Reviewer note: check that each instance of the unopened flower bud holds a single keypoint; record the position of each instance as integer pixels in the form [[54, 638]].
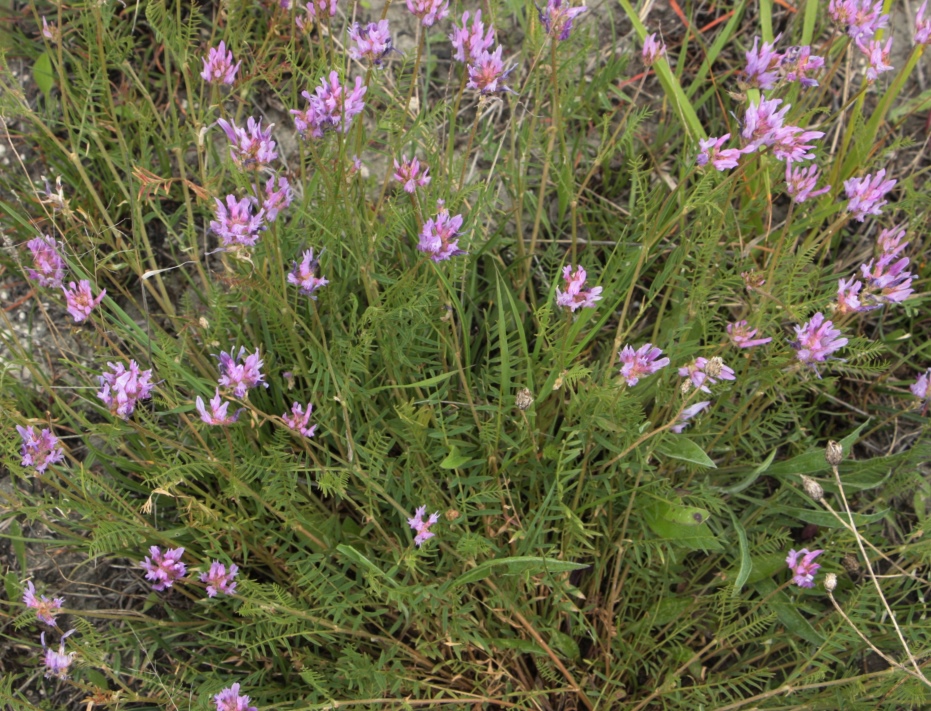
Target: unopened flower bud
[[812, 488], [834, 453], [714, 366], [830, 582], [524, 399]]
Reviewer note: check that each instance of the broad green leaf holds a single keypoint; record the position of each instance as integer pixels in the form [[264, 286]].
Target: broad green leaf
[[746, 563], [454, 459], [686, 515], [814, 461], [359, 559], [512, 566], [788, 615], [42, 73], [681, 447], [826, 519], [694, 537], [752, 477]]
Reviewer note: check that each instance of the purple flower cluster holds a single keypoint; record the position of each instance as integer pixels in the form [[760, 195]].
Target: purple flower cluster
[[273, 198], [304, 275], [332, 107], [299, 419], [49, 267], [557, 18], [164, 569], [409, 174], [816, 340], [124, 387], [801, 183], [470, 43], [866, 194], [766, 67], [742, 335], [703, 372], [652, 50], [45, 608], [439, 238], [39, 450], [641, 362], [371, 42], [80, 299], [885, 279], [920, 388], [239, 377], [687, 414], [235, 224], [422, 526], [218, 65], [218, 413], [252, 145], [230, 700], [803, 566], [429, 11], [576, 296], [219, 580], [861, 18], [922, 25], [57, 662]]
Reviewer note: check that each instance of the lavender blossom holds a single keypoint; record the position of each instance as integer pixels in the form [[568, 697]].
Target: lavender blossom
[[80, 300], [273, 201], [762, 65], [761, 121], [816, 340], [921, 387], [39, 451], [576, 297], [250, 146], [557, 18], [408, 173], [219, 580], [51, 32], [801, 182], [848, 299], [299, 419], [877, 54], [866, 193], [429, 11], [58, 662], [803, 566], [471, 42], [487, 73], [45, 608], [687, 414], [439, 238], [218, 410], [321, 8], [742, 335], [922, 25], [652, 50], [218, 65], [164, 569], [710, 150], [703, 372], [240, 377], [235, 224], [304, 275], [123, 388], [371, 42], [422, 527], [641, 362], [49, 266], [230, 700], [866, 20], [797, 63], [890, 241], [888, 278], [791, 144], [332, 107]]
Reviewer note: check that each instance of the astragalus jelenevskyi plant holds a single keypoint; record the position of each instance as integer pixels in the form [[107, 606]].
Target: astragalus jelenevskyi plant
[[335, 364]]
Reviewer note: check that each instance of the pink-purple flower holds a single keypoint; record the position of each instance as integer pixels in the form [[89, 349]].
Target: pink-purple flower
[[45, 609], [922, 385], [922, 25], [299, 419], [122, 389], [761, 121], [422, 526], [218, 413], [163, 569], [304, 275], [576, 296], [877, 55], [80, 299], [890, 241], [49, 267], [332, 107], [888, 279], [252, 145], [797, 63], [429, 11], [803, 566], [220, 580], [275, 199], [230, 700], [641, 362], [557, 17], [487, 73], [471, 42], [57, 662], [370, 42], [866, 194], [801, 182], [762, 67], [816, 340], [235, 224], [703, 372], [652, 50], [218, 65], [742, 335], [687, 414], [791, 143], [39, 450], [50, 32], [848, 296], [238, 376], [409, 173], [710, 151], [439, 238]]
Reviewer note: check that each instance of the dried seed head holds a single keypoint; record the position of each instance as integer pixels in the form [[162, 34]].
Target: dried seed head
[[714, 366], [830, 582], [451, 514], [812, 488], [524, 399], [850, 563], [686, 386], [834, 453]]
